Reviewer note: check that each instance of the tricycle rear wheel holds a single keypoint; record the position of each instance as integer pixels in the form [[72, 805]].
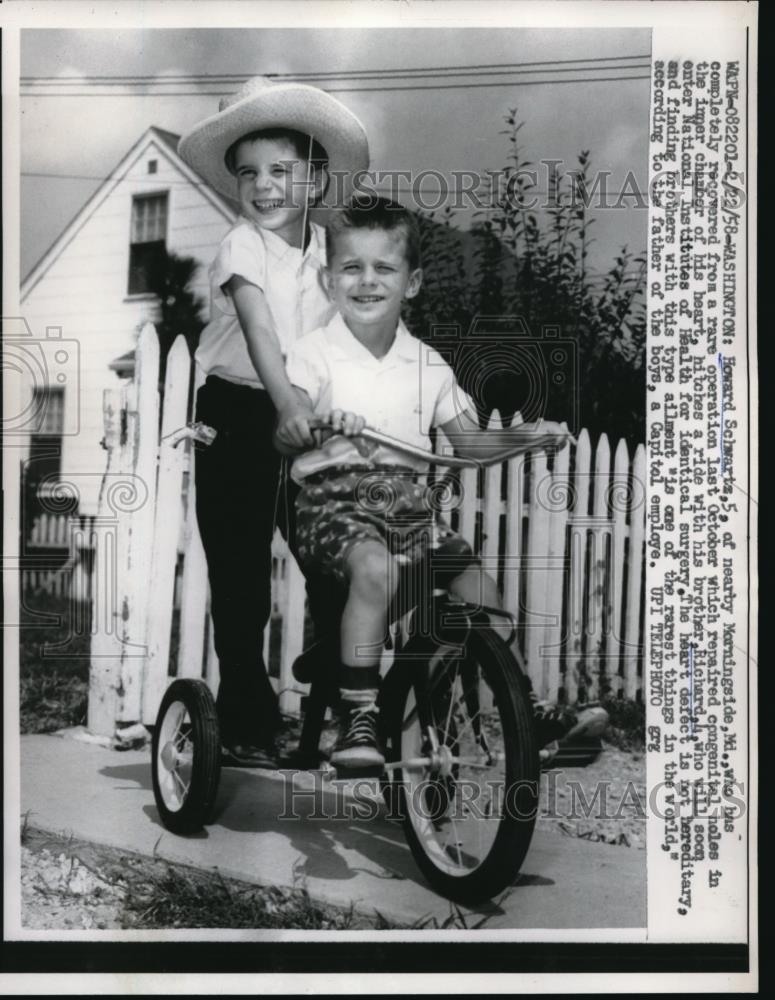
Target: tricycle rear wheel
[[186, 756]]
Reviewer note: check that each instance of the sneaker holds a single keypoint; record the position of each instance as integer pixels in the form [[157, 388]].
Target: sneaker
[[558, 723], [357, 744]]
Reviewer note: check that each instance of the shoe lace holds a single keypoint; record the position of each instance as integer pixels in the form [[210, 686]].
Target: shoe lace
[[362, 722]]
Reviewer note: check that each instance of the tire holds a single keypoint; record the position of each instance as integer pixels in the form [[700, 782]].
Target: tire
[[468, 822], [186, 756]]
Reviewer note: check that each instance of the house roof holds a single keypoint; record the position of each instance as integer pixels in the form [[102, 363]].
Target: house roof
[[169, 140], [123, 365]]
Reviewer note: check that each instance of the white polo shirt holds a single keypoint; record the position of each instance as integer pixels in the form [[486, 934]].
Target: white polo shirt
[[404, 394], [292, 285]]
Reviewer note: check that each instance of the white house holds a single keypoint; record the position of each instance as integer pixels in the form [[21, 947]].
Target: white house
[[86, 299]]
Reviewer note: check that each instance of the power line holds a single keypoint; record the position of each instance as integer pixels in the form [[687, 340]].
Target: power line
[[479, 68], [141, 81], [363, 90]]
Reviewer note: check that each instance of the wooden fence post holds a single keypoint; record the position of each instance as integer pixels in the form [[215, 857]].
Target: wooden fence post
[[143, 442], [168, 515], [105, 642]]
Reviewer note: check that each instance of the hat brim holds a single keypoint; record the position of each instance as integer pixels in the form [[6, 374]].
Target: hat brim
[[293, 105]]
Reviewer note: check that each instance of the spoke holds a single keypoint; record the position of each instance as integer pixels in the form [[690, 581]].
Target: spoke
[[449, 713], [183, 785], [178, 732], [440, 675], [458, 847]]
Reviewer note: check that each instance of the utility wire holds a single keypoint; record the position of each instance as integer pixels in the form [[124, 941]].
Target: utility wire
[[376, 76], [359, 90], [479, 68]]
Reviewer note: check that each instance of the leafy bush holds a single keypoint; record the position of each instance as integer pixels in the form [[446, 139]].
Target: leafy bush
[[529, 277]]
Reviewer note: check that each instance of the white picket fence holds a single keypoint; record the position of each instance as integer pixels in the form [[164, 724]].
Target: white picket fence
[[63, 539], [565, 539]]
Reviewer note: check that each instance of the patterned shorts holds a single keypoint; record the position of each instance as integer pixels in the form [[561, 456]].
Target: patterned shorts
[[342, 507]]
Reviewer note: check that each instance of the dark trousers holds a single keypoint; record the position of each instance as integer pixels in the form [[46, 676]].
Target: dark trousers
[[239, 499], [237, 480]]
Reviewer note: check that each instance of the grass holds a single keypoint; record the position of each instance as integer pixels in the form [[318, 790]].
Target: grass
[[156, 894], [173, 896], [54, 682]]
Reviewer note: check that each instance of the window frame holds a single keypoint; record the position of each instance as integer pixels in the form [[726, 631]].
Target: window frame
[[140, 260]]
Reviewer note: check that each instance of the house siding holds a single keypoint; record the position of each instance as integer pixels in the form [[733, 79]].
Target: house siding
[[83, 292]]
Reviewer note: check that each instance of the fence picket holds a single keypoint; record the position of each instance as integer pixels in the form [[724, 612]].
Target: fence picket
[[168, 515], [536, 559], [632, 645], [515, 510], [597, 617], [193, 590], [556, 500], [491, 509], [579, 522], [468, 504], [618, 501]]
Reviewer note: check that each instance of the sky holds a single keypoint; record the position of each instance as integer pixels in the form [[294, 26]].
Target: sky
[[77, 141]]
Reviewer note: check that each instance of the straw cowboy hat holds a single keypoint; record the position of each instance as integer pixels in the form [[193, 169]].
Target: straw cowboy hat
[[262, 103]]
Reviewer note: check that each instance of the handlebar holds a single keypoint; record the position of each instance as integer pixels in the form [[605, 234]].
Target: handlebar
[[205, 435], [450, 461]]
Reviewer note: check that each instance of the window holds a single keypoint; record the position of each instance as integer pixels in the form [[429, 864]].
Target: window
[[147, 241], [153, 166], [45, 457]]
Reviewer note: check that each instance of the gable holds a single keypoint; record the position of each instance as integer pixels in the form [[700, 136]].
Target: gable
[[202, 211]]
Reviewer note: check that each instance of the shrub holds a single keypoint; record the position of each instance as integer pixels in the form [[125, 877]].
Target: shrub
[[529, 276]]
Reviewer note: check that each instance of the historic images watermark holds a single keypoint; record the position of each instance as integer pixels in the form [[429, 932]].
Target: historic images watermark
[[546, 186], [311, 795]]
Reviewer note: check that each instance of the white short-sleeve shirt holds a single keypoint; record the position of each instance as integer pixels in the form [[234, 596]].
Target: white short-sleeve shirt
[[292, 285], [404, 394]]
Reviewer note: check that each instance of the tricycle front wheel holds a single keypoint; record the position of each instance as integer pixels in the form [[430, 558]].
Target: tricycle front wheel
[[466, 787]]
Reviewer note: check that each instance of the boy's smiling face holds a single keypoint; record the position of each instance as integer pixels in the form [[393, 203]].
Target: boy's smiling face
[[272, 186], [369, 277]]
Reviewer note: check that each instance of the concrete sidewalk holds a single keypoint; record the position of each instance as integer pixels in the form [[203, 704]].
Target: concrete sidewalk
[[103, 796]]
